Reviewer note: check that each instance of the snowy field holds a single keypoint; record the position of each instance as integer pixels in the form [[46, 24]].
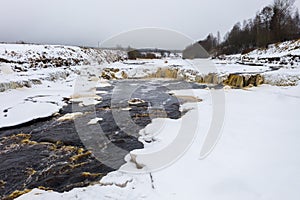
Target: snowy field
[[256, 157]]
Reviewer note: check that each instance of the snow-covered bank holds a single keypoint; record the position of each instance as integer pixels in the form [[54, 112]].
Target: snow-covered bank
[[256, 158], [36, 78], [279, 50], [28, 64], [285, 54], [37, 93], [25, 56], [26, 104]]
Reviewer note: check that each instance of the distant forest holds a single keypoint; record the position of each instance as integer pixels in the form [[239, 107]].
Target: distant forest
[[277, 22]]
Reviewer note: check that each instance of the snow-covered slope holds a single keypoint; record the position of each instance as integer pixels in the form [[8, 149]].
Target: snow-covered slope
[[278, 55], [29, 64], [284, 49], [25, 56]]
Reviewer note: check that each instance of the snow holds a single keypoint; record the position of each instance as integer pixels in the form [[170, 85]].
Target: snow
[[22, 52], [284, 54], [70, 116], [5, 69], [283, 77], [252, 157], [39, 92], [26, 53], [25, 104], [95, 120], [289, 48], [256, 157]]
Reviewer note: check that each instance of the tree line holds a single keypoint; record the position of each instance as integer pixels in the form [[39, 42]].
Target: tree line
[[277, 22]]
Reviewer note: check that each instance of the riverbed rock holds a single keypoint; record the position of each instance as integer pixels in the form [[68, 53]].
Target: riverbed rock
[[244, 80], [165, 73]]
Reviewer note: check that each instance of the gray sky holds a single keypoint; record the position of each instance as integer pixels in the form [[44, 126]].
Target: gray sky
[[85, 22]]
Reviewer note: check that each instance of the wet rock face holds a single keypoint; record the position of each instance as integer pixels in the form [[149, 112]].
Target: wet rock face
[[109, 73], [255, 80], [233, 80], [113, 74], [211, 78], [165, 73], [50, 154], [241, 81]]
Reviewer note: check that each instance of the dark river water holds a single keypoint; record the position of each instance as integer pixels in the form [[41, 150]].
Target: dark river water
[[50, 154]]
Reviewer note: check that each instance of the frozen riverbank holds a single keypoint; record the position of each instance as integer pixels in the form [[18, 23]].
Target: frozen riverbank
[[250, 161]]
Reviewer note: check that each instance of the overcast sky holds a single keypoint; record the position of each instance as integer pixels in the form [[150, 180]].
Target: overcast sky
[[85, 22]]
